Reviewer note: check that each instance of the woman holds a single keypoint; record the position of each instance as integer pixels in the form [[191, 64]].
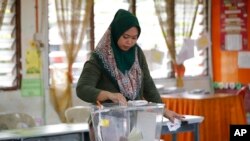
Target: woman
[[117, 70]]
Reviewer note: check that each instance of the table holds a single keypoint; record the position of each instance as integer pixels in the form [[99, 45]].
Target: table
[[191, 124], [234, 91], [79, 132], [57, 132], [219, 111]]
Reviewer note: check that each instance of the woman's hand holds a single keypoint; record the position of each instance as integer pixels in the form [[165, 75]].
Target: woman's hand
[[114, 97], [171, 115], [118, 98]]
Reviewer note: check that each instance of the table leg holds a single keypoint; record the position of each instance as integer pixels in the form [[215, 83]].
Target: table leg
[[174, 137], [196, 132], [86, 136]]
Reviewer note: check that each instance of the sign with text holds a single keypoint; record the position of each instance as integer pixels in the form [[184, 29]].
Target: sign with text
[[234, 25], [32, 87]]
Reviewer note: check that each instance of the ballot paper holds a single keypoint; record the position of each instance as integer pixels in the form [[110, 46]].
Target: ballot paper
[[135, 135], [137, 102], [146, 122], [173, 126]]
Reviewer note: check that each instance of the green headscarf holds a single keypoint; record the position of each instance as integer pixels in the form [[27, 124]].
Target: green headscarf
[[123, 21]]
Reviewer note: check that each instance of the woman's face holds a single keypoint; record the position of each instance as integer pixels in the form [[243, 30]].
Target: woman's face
[[128, 39]]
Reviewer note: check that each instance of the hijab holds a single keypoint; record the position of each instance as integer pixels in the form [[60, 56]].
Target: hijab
[[121, 66], [122, 21]]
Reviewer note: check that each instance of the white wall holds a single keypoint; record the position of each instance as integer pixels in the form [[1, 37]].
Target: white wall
[[39, 106], [13, 101]]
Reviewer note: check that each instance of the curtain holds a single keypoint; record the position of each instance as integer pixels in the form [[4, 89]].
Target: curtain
[[176, 25], [3, 4], [165, 10], [73, 17]]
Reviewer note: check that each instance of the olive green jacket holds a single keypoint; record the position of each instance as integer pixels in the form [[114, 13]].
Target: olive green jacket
[[93, 79]]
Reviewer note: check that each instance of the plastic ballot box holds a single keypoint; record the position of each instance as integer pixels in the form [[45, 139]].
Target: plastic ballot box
[[136, 122]]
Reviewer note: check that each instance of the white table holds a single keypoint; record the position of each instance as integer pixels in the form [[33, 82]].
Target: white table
[[60, 132], [76, 132]]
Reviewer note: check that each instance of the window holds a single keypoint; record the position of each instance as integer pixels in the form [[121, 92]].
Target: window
[[57, 55], [196, 66], [151, 39], [103, 15], [10, 45]]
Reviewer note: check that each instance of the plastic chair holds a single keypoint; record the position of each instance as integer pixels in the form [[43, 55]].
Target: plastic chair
[[16, 121], [77, 114], [242, 91]]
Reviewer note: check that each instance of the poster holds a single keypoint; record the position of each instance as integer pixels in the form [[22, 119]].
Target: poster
[[31, 87], [233, 20], [32, 60], [243, 60], [32, 84]]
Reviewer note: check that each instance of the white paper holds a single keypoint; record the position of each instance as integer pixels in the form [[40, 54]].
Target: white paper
[[243, 59], [233, 42], [187, 51], [203, 41], [146, 122], [157, 56], [137, 102], [174, 126]]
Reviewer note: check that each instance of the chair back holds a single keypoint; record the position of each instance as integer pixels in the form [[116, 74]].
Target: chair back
[[16, 121], [77, 114], [242, 91]]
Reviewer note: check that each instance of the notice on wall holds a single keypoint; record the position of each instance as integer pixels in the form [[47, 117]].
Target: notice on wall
[[234, 25], [157, 56], [32, 60], [203, 41], [31, 87], [32, 84], [243, 60]]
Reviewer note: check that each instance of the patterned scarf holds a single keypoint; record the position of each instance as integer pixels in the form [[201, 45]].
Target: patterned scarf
[[129, 82]]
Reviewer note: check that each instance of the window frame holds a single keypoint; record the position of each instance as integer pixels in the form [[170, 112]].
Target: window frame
[[17, 35]]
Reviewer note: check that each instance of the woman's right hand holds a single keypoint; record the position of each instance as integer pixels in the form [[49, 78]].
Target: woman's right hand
[[118, 98], [114, 97]]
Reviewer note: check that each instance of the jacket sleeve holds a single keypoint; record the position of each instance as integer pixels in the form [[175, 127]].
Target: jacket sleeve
[[86, 86], [150, 92]]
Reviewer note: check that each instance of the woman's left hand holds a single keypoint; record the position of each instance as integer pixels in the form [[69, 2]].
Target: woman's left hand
[[171, 115]]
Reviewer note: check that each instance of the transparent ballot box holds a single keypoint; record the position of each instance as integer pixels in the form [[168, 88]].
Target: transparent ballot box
[[128, 123]]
